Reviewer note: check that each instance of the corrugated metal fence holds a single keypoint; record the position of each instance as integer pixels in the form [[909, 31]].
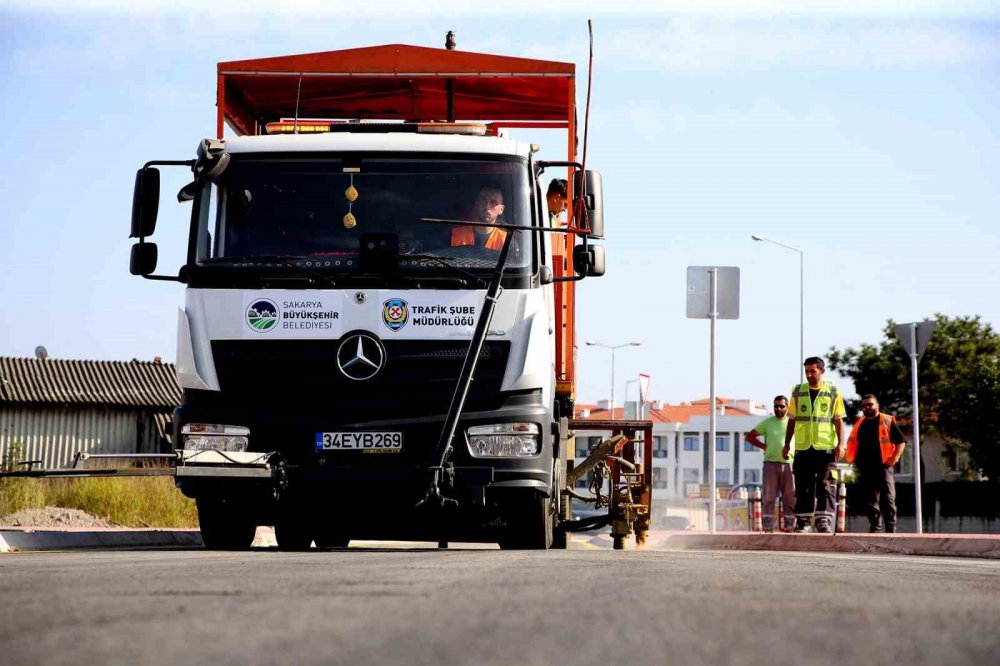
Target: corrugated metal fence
[[55, 433]]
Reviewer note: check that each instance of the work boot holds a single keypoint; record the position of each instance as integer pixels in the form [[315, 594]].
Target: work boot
[[801, 526], [823, 526]]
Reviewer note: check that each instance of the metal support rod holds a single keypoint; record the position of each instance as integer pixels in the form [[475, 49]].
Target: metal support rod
[[916, 429], [444, 448], [713, 313]]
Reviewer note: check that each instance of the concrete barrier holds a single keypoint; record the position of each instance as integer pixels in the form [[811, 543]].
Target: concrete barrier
[[14, 539]]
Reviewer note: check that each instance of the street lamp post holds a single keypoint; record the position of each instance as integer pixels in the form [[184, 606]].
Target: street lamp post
[[638, 411], [802, 298], [612, 348]]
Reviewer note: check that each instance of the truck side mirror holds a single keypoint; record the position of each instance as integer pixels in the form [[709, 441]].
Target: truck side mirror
[[590, 185], [143, 260], [588, 260], [145, 202]]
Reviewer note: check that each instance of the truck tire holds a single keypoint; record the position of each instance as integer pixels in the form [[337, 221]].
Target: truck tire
[[327, 539], [529, 525], [292, 532], [560, 538], [223, 525]]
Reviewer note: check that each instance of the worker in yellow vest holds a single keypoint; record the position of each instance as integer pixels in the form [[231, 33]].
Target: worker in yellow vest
[[875, 445], [816, 422]]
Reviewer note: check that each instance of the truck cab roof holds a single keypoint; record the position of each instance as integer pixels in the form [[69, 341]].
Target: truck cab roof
[[377, 142]]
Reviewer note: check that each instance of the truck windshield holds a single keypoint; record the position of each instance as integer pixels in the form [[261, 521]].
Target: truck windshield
[[321, 209]]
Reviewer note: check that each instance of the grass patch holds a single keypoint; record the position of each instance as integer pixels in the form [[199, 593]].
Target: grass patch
[[127, 501]]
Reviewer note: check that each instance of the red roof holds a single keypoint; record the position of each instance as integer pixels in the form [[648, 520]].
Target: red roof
[[394, 81], [667, 414]]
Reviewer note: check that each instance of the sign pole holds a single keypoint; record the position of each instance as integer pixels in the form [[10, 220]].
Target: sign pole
[[713, 314], [916, 429], [914, 338], [713, 292]]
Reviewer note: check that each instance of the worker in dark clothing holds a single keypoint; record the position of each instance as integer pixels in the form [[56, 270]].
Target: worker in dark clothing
[[875, 445]]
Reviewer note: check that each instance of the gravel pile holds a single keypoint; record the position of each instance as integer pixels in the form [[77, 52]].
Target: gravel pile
[[52, 516]]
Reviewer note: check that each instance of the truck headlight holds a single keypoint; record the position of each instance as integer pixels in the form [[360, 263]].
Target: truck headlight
[[214, 437], [503, 440]]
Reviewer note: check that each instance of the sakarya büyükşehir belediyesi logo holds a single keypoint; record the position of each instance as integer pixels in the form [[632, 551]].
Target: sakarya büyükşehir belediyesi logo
[[262, 315]]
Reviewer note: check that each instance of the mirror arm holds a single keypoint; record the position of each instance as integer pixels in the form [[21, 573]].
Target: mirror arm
[[575, 278]]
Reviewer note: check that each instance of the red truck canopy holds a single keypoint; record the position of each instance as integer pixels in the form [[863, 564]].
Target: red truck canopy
[[414, 83], [395, 82]]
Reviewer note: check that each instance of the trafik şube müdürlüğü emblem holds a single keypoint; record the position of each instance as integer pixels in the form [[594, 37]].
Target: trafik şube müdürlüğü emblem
[[262, 315], [395, 313]]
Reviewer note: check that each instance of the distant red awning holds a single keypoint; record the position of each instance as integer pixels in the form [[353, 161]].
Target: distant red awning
[[394, 82]]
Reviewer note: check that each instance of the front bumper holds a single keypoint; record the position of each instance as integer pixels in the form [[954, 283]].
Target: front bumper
[[287, 431]]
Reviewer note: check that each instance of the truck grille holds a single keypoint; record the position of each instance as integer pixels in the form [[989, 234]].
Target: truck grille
[[418, 379]]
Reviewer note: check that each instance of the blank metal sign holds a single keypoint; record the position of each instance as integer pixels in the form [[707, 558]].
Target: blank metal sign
[[699, 292]]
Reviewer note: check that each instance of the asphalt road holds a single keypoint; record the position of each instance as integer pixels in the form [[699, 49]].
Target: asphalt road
[[394, 606]]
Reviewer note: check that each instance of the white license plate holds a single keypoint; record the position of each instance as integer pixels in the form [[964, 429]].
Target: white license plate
[[368, 442]]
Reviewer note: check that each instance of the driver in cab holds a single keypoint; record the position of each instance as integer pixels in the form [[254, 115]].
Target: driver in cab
[[488, 208]]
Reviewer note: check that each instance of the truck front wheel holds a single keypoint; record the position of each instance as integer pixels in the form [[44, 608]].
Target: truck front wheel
[[529, 524], [293, 533], [223, 525]]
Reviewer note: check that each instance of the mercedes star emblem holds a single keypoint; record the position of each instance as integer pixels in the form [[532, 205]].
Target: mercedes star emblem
[[360, 356], [359, 297]]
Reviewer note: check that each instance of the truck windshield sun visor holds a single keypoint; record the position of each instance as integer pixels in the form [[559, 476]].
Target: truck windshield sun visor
[[316, 214]]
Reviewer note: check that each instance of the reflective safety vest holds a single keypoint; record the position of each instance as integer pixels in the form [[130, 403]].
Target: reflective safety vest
[[885, 422], [467, 236], [814, 420]]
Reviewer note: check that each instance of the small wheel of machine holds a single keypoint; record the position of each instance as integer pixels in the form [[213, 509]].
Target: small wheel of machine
[[223, 525]]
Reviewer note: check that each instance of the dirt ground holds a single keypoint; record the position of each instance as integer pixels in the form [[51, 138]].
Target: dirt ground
[[52, 516]]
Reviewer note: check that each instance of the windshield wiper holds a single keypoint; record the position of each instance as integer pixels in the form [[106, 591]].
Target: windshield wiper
[[447, 264], [285, 260]]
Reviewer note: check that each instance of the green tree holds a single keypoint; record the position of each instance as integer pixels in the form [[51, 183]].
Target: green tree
[[970, 412], [959, 390]]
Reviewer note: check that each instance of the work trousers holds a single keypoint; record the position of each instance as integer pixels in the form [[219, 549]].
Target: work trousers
[[778, 480], [815, 486], [879, 491]]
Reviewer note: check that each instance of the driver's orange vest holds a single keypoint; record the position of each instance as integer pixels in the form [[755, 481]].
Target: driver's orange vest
[[885, 422], [467, 236]]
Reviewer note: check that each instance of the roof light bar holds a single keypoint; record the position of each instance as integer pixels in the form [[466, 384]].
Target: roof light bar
[[286, 126]]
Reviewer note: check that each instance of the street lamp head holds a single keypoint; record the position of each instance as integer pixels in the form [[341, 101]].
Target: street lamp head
[[635, 344], [757, 238]]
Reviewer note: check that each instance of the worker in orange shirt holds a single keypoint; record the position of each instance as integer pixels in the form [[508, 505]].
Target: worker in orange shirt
[[875, 445], [488, 209]]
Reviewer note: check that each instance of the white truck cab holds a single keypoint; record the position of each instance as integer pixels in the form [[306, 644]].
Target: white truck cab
[[373, 339]]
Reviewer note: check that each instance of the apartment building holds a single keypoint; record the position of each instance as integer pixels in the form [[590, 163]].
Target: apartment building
[[681, 443]]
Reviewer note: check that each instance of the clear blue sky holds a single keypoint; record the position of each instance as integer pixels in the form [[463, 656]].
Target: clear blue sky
[[865, 134]]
